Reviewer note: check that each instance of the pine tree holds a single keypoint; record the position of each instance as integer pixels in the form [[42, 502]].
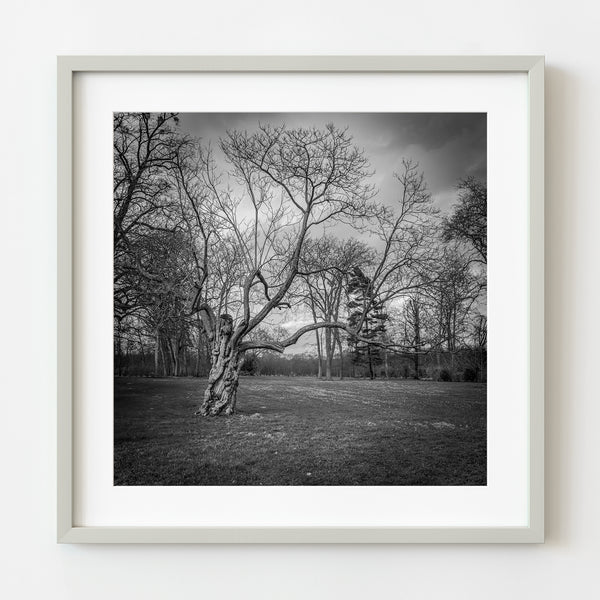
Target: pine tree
[[362, 301]]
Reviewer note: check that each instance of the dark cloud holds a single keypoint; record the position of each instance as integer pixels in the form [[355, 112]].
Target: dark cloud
[[448, 146], [433, 131]]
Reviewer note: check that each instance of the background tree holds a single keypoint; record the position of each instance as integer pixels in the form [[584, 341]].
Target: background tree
[[404, 234], [326, 267], [415, 328], [146, 147], [367, 316], [454, 295], [477, 357], [468, 221], [147, 280]]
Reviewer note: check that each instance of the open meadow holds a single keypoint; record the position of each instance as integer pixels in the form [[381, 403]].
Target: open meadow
[[301, 431]]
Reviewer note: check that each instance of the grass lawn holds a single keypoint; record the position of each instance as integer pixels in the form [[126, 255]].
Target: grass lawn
[[301, 431]]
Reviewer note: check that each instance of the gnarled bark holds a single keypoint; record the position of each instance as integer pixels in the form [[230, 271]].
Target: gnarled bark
[[223, 379]]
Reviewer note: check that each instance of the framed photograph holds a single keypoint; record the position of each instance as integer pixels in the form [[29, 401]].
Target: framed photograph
[[301, 299]]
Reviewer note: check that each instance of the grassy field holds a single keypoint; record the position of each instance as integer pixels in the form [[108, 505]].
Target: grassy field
[[301, 431]]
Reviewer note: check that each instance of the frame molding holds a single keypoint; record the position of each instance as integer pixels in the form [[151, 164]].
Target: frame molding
[[68, 66]]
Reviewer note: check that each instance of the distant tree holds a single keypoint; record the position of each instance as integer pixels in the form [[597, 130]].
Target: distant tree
[[478, 343], [454, 297], [468, 221], [150, 254], [147, 147], [326, 266], [368, 311], [406, 237], [414, 328], [160, 300]]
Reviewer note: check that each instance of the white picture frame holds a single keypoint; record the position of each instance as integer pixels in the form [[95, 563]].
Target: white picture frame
[[532, 67]]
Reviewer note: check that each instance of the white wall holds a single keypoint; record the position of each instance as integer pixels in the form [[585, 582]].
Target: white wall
[[33, 32]]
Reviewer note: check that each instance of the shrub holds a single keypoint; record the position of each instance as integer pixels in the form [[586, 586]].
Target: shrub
[[445, 375], [470, 374]]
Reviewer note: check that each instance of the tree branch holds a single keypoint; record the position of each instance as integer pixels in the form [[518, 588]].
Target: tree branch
[[207, 315], [290, 341]]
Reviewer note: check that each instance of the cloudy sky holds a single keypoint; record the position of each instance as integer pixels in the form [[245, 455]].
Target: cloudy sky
[[447, 146]]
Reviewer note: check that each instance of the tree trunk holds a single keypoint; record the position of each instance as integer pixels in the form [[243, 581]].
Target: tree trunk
[[318, 339], [119, 350], [339, 343], [224, 376], [417, 341], [371, 372], [319, 355], [197, 368], [156, 353], [163, 356], [417, 366], [173, 357], [481, 367], [141, 342], [370, 361], [328, 354], [198, 354], [127, 356]]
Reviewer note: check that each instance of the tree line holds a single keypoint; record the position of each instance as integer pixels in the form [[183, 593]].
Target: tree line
[[214, 255]]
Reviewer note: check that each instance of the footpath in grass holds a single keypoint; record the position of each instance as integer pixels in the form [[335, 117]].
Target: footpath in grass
[[301, 431]]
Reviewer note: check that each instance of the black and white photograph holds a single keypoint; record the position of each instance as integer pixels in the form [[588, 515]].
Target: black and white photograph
[[300, 299]]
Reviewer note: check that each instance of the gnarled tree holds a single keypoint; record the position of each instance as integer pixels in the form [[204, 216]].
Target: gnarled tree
[[283, 186]]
